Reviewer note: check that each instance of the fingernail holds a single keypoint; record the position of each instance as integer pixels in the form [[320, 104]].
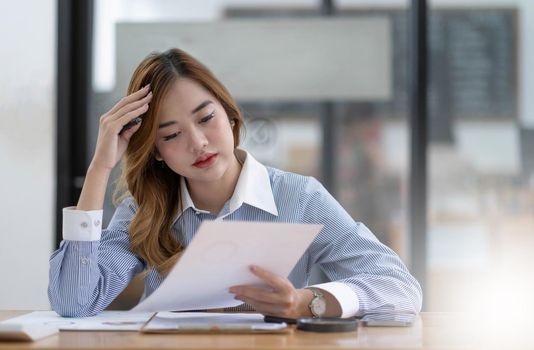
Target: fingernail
[[253, 268]]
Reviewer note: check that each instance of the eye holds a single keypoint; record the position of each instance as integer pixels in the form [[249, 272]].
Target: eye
[[171, 136], [208, 117]]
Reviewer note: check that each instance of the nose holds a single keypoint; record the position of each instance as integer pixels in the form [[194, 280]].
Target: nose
[[197, 140]]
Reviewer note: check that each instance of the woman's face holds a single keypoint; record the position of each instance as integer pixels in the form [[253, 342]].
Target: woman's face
[[195, 136]]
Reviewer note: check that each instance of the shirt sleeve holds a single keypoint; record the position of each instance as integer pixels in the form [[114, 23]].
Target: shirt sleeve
[[80, 225], [345, 296], [91, 266], [349, 254]]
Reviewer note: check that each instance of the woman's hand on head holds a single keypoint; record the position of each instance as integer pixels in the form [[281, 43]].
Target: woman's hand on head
[[283, 300], [112, 143]]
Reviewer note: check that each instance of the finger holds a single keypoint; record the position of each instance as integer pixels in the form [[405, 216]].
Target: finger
[[249, 298], [286, 301], [264, 308], [127, 131], [130, 124], [132, 97], [273, 280], [122, 123], [257, 294], [131, 106]]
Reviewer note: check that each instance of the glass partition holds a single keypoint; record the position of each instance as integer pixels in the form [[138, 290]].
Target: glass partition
[[481, 196]]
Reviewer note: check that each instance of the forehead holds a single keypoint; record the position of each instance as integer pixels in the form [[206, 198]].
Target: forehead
[[183, 96]]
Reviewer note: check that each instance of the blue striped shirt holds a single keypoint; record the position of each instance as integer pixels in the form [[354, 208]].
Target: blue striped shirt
[[87, 275]]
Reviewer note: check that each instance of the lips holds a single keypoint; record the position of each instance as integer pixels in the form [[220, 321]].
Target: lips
[[205, 161]]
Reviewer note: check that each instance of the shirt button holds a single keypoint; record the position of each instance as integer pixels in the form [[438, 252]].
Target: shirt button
[[97, 222], [84, 224], [84, 261]]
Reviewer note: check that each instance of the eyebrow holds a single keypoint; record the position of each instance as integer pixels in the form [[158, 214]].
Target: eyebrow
[[163, 125], [200, 106], [196, 109]]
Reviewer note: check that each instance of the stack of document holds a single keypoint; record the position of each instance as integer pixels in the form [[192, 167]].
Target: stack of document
[[201, 322], [147, 322], [105, 321]]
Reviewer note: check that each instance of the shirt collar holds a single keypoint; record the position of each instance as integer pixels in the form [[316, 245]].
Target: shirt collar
[[253, 187]]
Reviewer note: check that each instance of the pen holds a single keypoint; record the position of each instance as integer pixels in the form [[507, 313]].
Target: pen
[[274, 319], [130, 124]]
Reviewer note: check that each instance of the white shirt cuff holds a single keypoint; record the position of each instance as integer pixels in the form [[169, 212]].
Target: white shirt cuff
[[345, 296], [81, 225]]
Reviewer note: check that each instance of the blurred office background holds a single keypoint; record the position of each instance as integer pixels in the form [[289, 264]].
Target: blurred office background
[[324, 86]]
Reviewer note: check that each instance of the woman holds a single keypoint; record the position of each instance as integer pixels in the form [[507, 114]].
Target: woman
[[177, 132]]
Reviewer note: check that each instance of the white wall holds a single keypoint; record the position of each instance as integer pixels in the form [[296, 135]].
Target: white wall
[[27, 144], [107, 13]]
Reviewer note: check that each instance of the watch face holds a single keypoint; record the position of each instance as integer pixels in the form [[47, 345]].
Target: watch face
[[318, 306]]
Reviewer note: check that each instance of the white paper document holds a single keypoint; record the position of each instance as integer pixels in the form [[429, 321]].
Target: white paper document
[[219, 257], [168, 322], [105, 321]]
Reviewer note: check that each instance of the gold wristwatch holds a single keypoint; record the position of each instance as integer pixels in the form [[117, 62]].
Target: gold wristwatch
[[317, 304]]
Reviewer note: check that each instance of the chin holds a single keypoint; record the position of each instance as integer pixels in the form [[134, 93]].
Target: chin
[[214, 173]]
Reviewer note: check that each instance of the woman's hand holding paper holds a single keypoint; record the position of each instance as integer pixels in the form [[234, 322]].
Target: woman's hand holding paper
[[282, 300]]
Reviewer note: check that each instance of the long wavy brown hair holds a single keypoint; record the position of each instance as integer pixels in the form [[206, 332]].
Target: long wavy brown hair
[[156, 189]]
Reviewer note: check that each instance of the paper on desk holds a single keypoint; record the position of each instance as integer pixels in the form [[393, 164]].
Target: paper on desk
[[105, 321], [206, 321], [219, 257]]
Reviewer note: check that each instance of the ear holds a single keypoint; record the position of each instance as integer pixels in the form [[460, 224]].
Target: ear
[[157, 155], [232, 123]]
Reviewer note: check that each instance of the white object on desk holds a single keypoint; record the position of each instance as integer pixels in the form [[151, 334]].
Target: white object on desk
[[25, 332], [219, 257], [170, 322], [105, 321]]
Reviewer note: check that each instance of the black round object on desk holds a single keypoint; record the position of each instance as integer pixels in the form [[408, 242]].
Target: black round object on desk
[[327, 324]]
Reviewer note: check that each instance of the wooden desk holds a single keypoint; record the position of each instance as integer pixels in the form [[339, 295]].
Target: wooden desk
[[431, 331]]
